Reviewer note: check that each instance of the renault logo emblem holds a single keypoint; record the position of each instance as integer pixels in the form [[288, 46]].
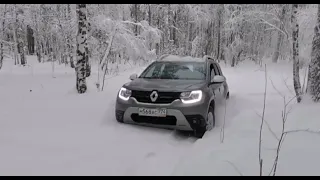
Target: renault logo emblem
[[154, 96]]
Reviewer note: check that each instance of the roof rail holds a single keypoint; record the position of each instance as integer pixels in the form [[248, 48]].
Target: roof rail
[[205, 57], [163, 56]]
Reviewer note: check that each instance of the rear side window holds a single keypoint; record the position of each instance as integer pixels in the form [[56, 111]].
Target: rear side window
[[212, 73], [216, 69], [219, 69]]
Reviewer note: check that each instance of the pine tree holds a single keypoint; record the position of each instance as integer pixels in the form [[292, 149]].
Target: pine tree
[[314, 68], [82, 49]]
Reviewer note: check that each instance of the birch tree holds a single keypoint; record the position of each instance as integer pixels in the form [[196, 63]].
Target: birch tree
[[82, 46], [280, 34], [2, 36], [234, 31], [14, 29], [314, 68], [295, 51], [69, 37], [37, 41]]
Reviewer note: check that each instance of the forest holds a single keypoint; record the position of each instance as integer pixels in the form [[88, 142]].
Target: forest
[[80, 35]]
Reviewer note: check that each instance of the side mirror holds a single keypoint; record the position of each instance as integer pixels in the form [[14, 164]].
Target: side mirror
[[218, 79], [133, 76]]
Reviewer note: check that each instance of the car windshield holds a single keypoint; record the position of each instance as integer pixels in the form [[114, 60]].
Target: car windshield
[[175, 70]]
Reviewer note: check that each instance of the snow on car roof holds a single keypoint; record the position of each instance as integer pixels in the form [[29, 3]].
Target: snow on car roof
[[175, 58]]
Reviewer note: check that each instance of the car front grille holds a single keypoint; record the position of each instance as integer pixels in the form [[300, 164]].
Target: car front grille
[[168, 120], [163, 97]]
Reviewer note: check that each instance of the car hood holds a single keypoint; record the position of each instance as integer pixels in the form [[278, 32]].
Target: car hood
[[165, 85]]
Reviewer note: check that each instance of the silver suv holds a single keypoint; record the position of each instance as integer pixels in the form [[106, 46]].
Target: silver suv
[[174, 92]]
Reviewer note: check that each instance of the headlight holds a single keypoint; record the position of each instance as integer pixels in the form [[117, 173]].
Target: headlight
[[191, 97], [124, 94]]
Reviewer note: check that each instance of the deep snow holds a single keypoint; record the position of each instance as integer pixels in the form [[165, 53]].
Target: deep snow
[[46, 128]]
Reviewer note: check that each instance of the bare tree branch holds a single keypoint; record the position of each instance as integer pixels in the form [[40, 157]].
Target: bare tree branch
[[275, 88], [10, 43], [269, 127], [268, 23], [303, 130], [286, 84], [235, 167], [224, 122], [262, 120]]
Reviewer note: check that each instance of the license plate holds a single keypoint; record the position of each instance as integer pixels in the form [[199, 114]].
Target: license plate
[[152, 112]]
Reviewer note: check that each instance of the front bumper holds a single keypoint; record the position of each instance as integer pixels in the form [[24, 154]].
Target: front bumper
[[180, 116]]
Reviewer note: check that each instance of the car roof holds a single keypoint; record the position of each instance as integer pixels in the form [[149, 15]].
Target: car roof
[[176, 58]]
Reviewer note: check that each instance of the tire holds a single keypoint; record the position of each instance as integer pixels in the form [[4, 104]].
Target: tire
[[119, 116], [211, 111], [200, 132], [119, 120], [227, 97]]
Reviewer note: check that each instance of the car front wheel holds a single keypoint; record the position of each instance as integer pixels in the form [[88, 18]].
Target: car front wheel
[[210, 119], [228, 95], [210, 124]]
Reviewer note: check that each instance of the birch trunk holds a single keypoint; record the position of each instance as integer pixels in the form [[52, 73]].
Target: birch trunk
[[81, 71], [187, 52], [69, 40], [88, 65], [149, 15], [219, 38], [2, 36], [103, 65], [136, 19], [295, 52], [51, 55], [276, 53], [103, 61], [64, 48], [37, 39], [222, 34], [169, 23], [314, 68], [16, 60]]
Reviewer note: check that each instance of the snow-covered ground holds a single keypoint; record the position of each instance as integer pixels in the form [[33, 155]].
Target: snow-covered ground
[[46, 128]]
